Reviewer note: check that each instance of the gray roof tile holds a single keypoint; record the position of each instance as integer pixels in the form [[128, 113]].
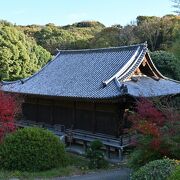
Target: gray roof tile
[[80, 73]]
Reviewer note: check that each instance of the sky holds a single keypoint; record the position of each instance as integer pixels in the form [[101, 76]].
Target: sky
[[63, 12]]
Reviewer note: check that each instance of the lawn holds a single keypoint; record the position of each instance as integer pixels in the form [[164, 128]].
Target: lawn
[[78, 165]]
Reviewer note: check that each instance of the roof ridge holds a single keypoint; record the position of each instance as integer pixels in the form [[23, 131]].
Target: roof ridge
[[102, 49], [139, 57], [138, 52]]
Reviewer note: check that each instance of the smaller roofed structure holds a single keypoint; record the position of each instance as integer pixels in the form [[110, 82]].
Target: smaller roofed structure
[[96, 74]]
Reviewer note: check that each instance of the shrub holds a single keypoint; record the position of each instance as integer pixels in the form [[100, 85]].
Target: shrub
[[175, 174], [141, 156], [158, 133], [167, 63], [96, 156], [158, 169], [31, 149]]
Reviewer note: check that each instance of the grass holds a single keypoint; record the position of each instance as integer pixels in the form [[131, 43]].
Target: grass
[[78, 165]]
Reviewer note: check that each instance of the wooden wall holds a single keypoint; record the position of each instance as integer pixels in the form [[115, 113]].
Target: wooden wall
[[94, 117]]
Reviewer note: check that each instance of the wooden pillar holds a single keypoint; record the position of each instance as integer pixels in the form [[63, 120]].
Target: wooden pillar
[[85, 145], [37, 110], [74, 115], [94, 118], [108, 151], [120, 156], [120, 118], [52, 113]]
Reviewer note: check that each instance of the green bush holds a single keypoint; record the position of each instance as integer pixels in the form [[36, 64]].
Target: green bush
[[175, 174], [167, 63], [96, 156], [141, 156], [32, 149], [158, 169]]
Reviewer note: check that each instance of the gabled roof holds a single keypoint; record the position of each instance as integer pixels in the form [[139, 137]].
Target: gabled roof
[[96, 74]]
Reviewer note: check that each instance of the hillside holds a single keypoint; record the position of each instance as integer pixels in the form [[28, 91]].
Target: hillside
[[24, 49]]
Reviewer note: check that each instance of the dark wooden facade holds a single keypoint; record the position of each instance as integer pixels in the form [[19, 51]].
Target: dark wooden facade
[[96, 117]]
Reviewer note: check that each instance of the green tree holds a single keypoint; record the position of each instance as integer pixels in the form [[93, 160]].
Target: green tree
[[19, 56], [176, 51], [142, 19], [158, 32], [71, 37], [149, 30], [127, 36], [108, 37], [167, 64], [95, 24]]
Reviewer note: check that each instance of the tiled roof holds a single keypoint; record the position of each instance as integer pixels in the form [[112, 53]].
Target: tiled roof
[[93, 74], [148, 87]]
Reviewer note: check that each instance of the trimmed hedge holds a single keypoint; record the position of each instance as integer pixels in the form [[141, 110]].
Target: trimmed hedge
[[158, 169], [32, 149]]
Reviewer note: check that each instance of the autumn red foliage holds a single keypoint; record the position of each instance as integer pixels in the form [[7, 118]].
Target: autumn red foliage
[[9, 108], [159, 128]]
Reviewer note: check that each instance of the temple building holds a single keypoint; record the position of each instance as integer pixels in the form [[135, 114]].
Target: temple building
[[90, 89]]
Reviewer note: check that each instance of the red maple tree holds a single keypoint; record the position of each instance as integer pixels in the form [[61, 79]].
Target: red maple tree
[[9, 108], [159, 126]]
